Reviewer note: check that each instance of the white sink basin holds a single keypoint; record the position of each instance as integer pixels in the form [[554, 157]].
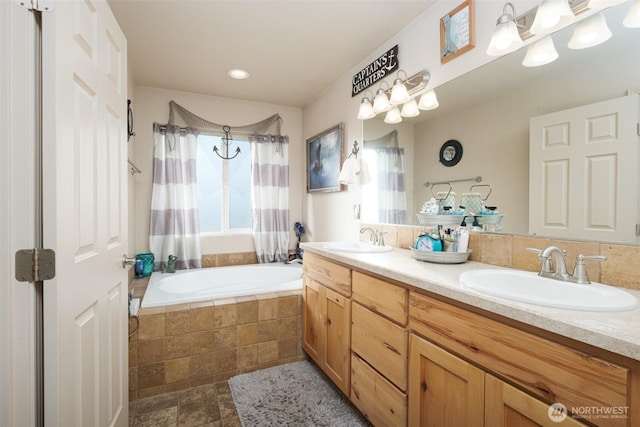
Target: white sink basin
[[362, 247], [530, 288]]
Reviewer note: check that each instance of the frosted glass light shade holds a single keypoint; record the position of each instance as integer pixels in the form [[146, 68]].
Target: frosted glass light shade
[[381, 102], [632, 20], [393, 116], [540, 53], [428, 101], [552, 15], [601, 4], [590, 32], [505, 39], [410, 109], [366, 110], [399, 93]]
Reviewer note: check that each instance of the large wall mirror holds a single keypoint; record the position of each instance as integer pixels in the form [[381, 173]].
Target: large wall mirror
[[488, 111]]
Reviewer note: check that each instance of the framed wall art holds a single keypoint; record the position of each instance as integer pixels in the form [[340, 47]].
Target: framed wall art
[[324, 159], [457, 31]]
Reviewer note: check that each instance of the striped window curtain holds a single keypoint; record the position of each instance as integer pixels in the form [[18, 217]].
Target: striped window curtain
[[270, 197], [174, 226], [392, 194]]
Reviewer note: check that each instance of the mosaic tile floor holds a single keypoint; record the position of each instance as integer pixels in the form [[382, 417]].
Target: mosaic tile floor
[[209, 405]]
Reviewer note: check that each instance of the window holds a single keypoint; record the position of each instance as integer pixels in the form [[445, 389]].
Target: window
[[224, 186]]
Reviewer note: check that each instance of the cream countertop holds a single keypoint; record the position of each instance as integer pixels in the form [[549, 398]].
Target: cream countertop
[[617, 332]]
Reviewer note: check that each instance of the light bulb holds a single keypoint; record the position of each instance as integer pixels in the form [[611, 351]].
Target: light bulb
[[589, 32], [505, 39], [399, 93], [540, 53], [366, 110], [410, 109], [428, 101], [552, 15], [381, 102], [393, 116], [632, 20]]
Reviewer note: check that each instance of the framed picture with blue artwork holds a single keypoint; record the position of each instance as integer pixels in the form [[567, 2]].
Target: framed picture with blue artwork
[[324, 159], [457, 31]]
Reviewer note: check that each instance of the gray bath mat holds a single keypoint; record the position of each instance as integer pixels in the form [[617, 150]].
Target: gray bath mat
[[295, 394]]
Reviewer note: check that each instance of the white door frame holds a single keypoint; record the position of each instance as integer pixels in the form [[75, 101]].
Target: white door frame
[[20, 401]]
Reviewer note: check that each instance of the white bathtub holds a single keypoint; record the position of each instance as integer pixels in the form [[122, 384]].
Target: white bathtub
[[205, 284]]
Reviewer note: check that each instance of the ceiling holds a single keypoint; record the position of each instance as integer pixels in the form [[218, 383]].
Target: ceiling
[[294, 49]]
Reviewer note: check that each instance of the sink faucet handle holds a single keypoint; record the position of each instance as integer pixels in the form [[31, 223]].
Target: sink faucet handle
[[381, 238], [580, 270], [581, 257], [534, 251]]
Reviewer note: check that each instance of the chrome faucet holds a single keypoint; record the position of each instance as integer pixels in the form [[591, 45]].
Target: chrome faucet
[[375, 237], [558, 270], [559, 263]]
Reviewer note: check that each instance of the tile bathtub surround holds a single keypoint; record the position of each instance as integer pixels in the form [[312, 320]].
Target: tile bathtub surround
[[620, 269], [184, 346], [222, 260]]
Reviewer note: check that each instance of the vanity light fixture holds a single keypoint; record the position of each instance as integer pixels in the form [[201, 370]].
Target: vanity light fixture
[[506, 37], [540, 53], [366, 109], [396, 110], [632, 20], [552, 15], [590, 32], [399, 93], [381, 101]]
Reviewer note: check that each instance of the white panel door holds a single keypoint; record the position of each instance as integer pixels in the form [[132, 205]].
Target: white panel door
[[85, 220], [583, 172]]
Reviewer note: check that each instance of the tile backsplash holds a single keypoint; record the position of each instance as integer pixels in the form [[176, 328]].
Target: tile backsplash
[[622, 267]]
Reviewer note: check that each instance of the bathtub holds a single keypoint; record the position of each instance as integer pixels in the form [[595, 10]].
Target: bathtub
[[186, 286]]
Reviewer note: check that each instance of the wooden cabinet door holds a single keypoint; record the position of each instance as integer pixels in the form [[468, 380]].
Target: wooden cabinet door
[[337, 339], [313, 319], [444, 390], [506, 406], [378, 399]]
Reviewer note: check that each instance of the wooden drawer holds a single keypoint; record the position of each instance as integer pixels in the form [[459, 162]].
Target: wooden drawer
[[380, 342], [380, 297], [331, 275], [552, 371], [379, 401]]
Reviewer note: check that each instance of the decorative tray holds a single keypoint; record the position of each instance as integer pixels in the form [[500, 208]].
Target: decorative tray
[[428, 219], [441, 257]]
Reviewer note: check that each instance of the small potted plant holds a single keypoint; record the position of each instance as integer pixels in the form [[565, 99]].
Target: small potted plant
[[299, 229]]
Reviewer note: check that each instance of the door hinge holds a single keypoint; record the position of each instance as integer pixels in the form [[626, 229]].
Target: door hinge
[[41, 5], [35, 265]]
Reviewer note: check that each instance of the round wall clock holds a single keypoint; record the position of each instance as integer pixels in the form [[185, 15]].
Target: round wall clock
[[450, 152]]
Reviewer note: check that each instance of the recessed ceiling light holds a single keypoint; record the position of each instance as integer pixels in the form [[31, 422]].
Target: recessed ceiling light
[[238, 74]]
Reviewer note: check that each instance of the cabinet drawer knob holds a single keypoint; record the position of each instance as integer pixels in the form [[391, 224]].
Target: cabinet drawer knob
[[423, 385]]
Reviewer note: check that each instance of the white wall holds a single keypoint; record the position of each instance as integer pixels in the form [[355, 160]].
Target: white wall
[[329, 216], [152, 105]]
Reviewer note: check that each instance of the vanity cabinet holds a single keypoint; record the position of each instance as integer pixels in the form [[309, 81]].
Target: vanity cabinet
[[444, 390], [327, 318], [379, 345], [473, 346]]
